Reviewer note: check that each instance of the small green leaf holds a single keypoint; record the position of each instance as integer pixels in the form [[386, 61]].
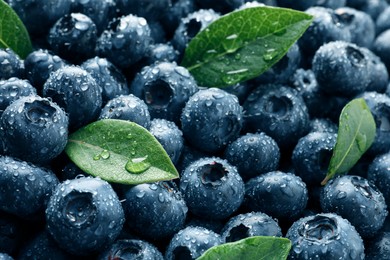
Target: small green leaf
[[355, 135], [258, 247], [120, 151], [243, 44], [13, 34]]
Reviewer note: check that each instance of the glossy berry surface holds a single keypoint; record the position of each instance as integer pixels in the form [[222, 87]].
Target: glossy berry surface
[[379, 174], [11, 64], [131, 249]]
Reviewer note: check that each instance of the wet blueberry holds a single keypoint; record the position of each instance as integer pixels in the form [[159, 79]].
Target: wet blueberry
[[379, 247], [131, 249], [381, 47], [11, 65], [379, 174]]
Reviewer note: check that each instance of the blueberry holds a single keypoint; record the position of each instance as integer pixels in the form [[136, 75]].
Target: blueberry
[[374, 8], [156, 210], [38, 66], [13, 89], [326, 27], [188, 155], [35, 129], [161, 52], [170, 137], [325, 236], [11, 233], [215, 225], [212, 188], [131, 249], [379, 105], [278, 111], [323, 125], [190, 25], [11, 65], [305, 4], [150, 9], [178, 10], [379, 76], [382, 23], [40, 15], [222, 6], [379, 247], [278, 194], [27, 186], [191, 242], [108, 77], [71, 171], [354, 198], [84, 215], [73, 37], [249, 225], [334, 60], [381, 47], [5, 256], [127, 107], [253, 154], [125, 41], [379, 173], [311, 156], [241, 90], [211, 119], [165, 87], [77, 92]]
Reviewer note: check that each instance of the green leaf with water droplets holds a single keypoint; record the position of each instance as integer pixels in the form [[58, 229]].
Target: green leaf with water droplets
[[355, 135], [257, 247], [13, 34], [243, 44], [120, 151]]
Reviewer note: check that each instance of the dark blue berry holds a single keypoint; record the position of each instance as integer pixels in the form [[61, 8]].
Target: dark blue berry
[[278, 194], [311, 156], [215, 225], [161, 52], [382, 22], [150, 9], [222, 6], [11, 233], [241, 90], [279, 112], [211, 119], [5, 256], [155, 211], [379, 76], [35, 129], [379, 173], [170, 137], [249, 225], [24, 188], [178, 10], [379, 247], [355, 199], [84, 215], [111, 80], [191, 242], [374, 8], [131, 249], [127, 107], [253, 154], [212, 188], [325, 236], [13, 89], [305, 4], [381, 47], [11, 65], [323, 125], [165, 87], [71, 171], [38, 66], [188, 155], [76, 91], [125, 41]]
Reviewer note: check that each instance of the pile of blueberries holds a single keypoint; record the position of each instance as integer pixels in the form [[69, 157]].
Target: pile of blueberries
[[251, 156]]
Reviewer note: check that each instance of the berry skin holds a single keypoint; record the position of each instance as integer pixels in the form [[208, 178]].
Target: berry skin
[[127, 107], [278, 111], [27, 186], [253, 154], [311, 156], [222, 6], [212, 188], [323, 125], [381, 47], [169, 136], [11, 233], [38, 66], [178, 10], [155, 211], [278, 194], [165, 87], [131, 249], [382, 22], [211, 119], [11, 65], [191, 242], [324, 236], [249, 225], [35, 129], [13, 89], [108, 77], [73, 37], [84, 215], [76, 92], [379, 247], [150, 9], [379, 174], [356, 199], [125, 41], [161, 52]]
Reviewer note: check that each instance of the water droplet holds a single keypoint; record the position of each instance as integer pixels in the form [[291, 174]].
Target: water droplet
[[270, 54], [137, 165], [105, 154], [341, 195]]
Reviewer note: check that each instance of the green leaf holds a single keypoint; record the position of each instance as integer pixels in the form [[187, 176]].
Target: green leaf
[[13, 34], [120, 151], [243, 44], [355, 135], [258, 247]]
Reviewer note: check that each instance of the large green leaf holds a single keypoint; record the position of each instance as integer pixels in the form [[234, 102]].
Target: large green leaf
[[120, 151], [355, 135], [13, 34], [243, 44]]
